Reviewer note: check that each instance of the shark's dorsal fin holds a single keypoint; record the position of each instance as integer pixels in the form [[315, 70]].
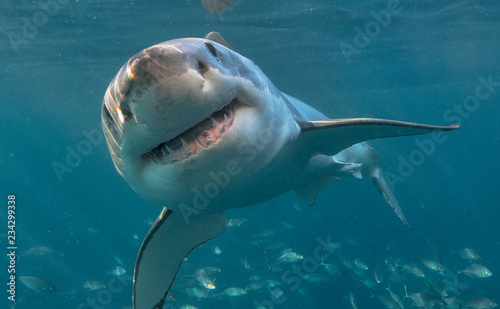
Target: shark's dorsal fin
[[217, 38], [332, 136], [167, 243]]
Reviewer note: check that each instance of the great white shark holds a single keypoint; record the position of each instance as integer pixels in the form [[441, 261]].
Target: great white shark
[[197, 128]]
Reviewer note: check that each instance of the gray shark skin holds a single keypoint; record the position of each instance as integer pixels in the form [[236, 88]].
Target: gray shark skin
[[197, 128]]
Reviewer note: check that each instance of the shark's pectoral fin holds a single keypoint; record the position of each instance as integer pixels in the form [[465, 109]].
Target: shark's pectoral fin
[[332, 169], [309, 192], [332, 136], [166, 245]]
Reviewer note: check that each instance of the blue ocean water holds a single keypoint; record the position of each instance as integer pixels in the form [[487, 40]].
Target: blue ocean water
[[423, 64]]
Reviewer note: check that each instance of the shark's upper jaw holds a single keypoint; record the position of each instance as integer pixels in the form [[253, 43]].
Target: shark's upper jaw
[[194, 140], [180, 104]]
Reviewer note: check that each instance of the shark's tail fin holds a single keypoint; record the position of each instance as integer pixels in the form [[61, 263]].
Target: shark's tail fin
[[406, 293], [383, 187], [369, 160]]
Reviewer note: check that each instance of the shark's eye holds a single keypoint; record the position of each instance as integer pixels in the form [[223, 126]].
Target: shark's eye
[[212, 49]]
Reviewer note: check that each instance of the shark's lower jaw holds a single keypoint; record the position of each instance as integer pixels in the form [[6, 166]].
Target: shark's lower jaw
[[201, 136]]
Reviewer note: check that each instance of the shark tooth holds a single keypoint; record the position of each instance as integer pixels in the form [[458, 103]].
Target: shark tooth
[[185, 145], [214, 122], [222, 129], [169, 149]]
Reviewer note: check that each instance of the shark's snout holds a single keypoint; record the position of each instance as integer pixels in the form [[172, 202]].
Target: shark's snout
[[162, 105]]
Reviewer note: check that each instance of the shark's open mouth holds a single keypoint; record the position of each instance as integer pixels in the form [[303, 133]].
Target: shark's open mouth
[[198, 137]]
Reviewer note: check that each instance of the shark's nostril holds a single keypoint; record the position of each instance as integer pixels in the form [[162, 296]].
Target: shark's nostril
[[202, 68]]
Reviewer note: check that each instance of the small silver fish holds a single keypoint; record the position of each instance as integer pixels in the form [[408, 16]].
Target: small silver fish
[[394, 267], [433, 265], [395, 297], [37, 284], [38, 251], [118, 271], [440, 287], [477, 271], [257, 285], [426, 300], [236, 222], [245, 263], [467, 254], [289, 257], [217, 250], [379, 274], [414, 269], [388, 302], [360, 264], [352, 300], [334, 245], [369, 282], [333, 269], [205, 281], [234, 292], [276, 293], [272, 283], [209, 270], [314, 278], [196, 293], [93, 285], [479, 303], [255, 278]]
